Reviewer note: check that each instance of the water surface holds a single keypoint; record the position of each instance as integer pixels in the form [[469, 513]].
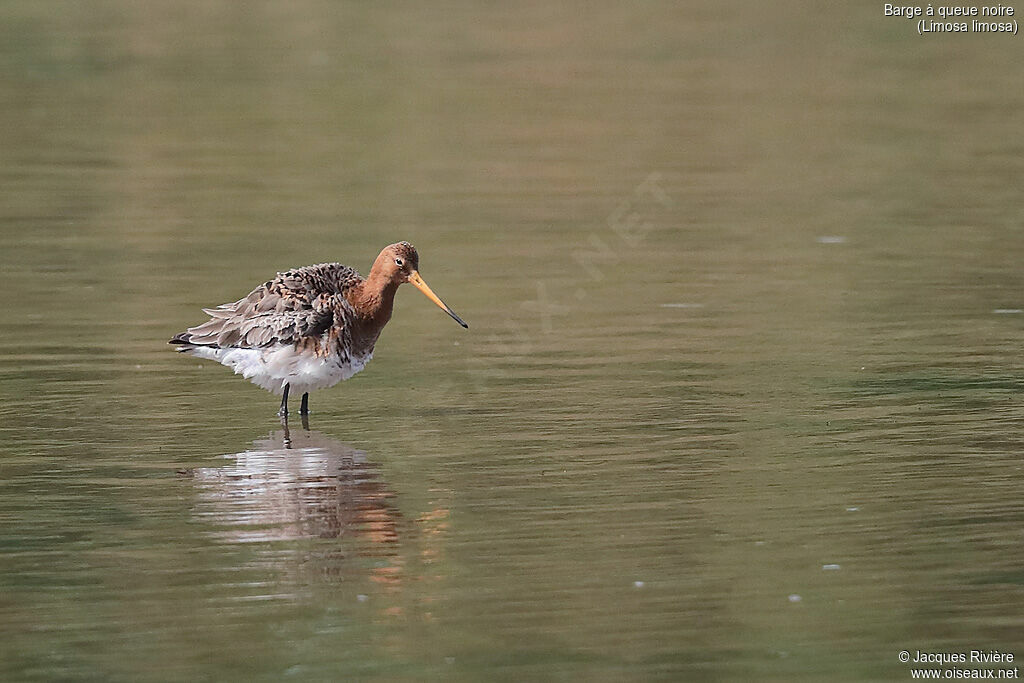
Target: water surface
[[740, 399]]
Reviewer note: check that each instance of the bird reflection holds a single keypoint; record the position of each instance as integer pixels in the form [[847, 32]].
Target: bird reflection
[[317, 510], [302, 484]]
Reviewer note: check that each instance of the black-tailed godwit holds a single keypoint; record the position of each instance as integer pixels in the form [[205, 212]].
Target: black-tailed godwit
[[308, 328]]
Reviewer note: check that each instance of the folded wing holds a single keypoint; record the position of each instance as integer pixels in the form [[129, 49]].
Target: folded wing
[[262, 319]]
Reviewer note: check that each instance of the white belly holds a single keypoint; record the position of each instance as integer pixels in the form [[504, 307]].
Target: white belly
[[274, 367]]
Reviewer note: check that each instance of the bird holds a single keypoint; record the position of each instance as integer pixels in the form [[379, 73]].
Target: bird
[[310, 327]]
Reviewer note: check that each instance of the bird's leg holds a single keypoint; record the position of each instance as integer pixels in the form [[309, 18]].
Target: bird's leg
[[304, 408], [283, 412], [305, 421]]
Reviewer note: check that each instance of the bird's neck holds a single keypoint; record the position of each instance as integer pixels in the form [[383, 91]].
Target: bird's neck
[[373, 301]]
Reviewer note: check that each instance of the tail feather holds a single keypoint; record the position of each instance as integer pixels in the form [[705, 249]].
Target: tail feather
[[184, 342], [181, 338]]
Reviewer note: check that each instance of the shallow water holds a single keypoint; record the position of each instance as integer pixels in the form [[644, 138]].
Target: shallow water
[[740, 397]]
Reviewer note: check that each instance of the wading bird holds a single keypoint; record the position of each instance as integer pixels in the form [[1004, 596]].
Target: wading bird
[[308, 328]]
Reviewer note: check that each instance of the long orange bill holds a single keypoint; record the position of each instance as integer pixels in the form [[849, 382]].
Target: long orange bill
[[415, 278]]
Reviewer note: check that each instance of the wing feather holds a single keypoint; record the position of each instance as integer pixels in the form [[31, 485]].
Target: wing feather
[[299, 303]]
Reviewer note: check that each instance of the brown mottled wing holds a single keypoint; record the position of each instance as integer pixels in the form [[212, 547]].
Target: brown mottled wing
[[297, 304]]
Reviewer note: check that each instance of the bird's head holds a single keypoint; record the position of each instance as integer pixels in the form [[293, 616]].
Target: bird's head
[[399, 263]]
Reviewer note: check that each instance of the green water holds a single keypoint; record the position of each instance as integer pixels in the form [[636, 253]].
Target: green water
[[741, 393]]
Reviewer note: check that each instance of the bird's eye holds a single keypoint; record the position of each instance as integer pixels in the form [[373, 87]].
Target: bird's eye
[[399, 262]]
